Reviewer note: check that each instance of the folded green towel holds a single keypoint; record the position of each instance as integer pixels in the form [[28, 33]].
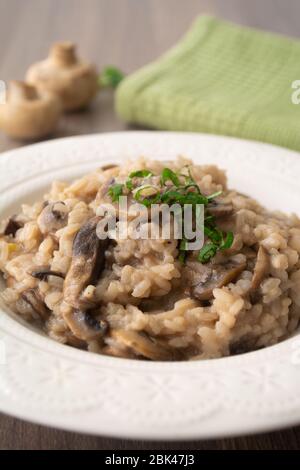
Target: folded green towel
[[221, 79]]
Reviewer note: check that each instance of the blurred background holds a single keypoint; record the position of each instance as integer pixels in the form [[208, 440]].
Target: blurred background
[[126, 33]]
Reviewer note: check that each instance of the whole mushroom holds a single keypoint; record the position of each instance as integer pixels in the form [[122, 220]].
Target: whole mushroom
[[74, 81], [28, 113]]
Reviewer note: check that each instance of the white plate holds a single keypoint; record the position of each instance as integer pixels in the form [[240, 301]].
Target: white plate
[[56, 385]]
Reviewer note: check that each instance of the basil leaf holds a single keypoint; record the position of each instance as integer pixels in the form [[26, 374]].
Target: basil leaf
[[169, 175], [140, 174], [115, 191], [207, 252], [213, 195], [129, 184], [214, 234], [227, 243]]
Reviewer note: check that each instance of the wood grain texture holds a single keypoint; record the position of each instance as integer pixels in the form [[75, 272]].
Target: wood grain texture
[[129, 33]]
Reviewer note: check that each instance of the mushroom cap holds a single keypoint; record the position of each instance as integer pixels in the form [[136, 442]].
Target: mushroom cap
[[74, 81], [29, 113]]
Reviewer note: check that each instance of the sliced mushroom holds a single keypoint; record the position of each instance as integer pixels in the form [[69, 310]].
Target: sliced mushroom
[[53, 217], [142, 345], [109, 166], [83, 325], [204, 278], [31, 302], [12, 226], [261, 268], [43, 272], [218, 209], [88, 258], [114, 350], [73, 341]]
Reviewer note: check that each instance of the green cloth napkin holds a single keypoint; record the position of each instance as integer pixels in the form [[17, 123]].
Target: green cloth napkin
[[221, 79]]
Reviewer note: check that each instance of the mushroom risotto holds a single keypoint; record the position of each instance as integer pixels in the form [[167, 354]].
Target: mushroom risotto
[[153, 298]]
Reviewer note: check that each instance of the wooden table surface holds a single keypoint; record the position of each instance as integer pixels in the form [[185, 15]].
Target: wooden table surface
[[128, 33]]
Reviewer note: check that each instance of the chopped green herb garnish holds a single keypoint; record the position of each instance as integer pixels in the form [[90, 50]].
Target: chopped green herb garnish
[[214, 195], [115, 191], [147, 195], [214, 234], [137, 174], [192, 185], [110, 77], [173, 196], [141, 174], [227, 243], [207, 252], [183, 190], [169, 175], [129, 184]]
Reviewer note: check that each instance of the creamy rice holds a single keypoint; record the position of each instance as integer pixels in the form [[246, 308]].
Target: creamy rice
[[143, 303]]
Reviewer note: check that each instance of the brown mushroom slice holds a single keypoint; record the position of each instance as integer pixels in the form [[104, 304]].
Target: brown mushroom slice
[[31, 302], [209, 276], [42, 273], [142, 345], [109, 166], [12, 226], [73, 341], [261, 268], [53, 217], [218, 209], [83, 325], [88, 258], [110, 350]]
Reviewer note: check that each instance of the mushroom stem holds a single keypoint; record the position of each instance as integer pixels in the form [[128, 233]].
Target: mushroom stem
[[63, 54]]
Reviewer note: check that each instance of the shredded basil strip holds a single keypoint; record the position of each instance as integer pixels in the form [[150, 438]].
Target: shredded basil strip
[[207, 252], [137, 174], [214, 195], [146, 200], [214, 234], [192, 185], [227, 243], [129, 184], [187, 193], [169, 175], [141, 174], [115, 191], [171, 196]]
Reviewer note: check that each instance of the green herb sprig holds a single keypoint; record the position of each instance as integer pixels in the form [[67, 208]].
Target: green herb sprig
[[181, 189], [110, 77], [115, 191]]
